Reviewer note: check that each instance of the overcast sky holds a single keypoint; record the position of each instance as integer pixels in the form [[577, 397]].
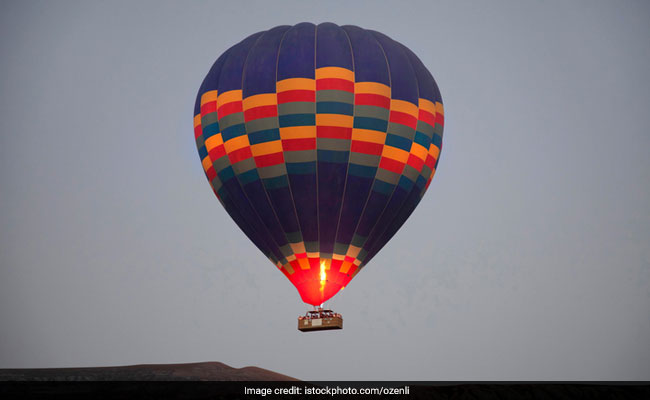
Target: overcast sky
[[528, 258]]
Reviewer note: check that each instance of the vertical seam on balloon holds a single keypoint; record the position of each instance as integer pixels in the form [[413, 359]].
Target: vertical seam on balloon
[[347, 169], [394, 189], [390, 86], [268, 199], [381, 232], [316, 129], [277, 109], [244, 192], [251, 226]]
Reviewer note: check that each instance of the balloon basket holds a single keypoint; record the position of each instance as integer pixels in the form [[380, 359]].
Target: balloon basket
[[320, 320]]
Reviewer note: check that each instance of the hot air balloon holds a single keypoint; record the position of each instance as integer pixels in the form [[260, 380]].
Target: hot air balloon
[[319, 141]]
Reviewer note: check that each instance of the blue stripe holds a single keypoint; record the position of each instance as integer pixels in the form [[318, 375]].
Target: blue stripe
[[374, 124], [233, 132], [302, 168], [334, 107], [297, 120], [382, 187], [211, 130], [249, 176], [362, 171], [333, 156], [420, 182], [398, 141], [267, 135], [203, 152], [437, 140], [422, 139], [226, 174], [405, 183], [276, 182]]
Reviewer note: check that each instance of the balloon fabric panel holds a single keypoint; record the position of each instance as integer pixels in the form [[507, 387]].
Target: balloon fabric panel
[[319, 141]]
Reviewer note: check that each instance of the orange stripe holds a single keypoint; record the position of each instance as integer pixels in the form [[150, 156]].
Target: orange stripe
[[208, 97], [229, 97], [335, 72], [295, 84]]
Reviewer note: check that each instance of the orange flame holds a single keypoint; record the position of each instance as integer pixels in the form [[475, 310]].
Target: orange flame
[[323, 276]]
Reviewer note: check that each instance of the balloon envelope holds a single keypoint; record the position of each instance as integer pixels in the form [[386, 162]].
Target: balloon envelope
[[319, 141]]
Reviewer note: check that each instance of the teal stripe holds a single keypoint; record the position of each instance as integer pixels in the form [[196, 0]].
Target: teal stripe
[[297, 120]]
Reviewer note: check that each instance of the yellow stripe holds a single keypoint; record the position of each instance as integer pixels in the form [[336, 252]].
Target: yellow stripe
[[236, 143], [295, 84], [419, 151], [208, 97], [368, 135], [197, 120], [297, 247], [266, 148], [334, 120], [207, 163], [229, 97], [404, 106], [265, 99], [428, 106], [372, 88], [213, 141], [353, 251], [345, 267], [395, 153], [335, 72], [439, 108], [313, 255], [304, 263], [434, 151], [298, 132], [338, 256]]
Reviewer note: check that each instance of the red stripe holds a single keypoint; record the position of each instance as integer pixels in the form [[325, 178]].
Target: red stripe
[[440, 119], [335, 84], [296, 266], [367, 99], [269, 159], [296, 95], [415, 162], [261, 112], [198, 131], [348, 258], [211, 173], [430, 162], [217, 152], [230, 108], [240, 154], [403, 119], [314, 262], [427, 117], [334, 132], [299, 144], [359, 146], [336, 264], [209, 107], [391, 165], [301, 255]]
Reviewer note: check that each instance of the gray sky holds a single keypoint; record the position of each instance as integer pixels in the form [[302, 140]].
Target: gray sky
[[529, 257]]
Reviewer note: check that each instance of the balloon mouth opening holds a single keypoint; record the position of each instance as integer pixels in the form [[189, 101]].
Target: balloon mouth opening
[[318, 279]]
